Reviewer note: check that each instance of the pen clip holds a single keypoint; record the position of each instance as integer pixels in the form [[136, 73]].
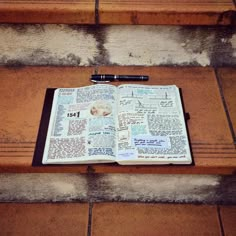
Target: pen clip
[[100, 82]]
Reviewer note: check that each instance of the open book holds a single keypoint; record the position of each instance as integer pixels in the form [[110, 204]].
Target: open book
[[129, 124]]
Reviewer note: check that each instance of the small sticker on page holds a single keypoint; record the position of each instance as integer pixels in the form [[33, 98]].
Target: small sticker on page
[[129, 154], [148, 141]]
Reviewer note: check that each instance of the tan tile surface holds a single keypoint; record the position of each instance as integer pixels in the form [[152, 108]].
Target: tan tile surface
[[188, 12], [177, 12], [228, 216], [154, 219], [48, 11], [43, 219], [228, 82], [22, 95]]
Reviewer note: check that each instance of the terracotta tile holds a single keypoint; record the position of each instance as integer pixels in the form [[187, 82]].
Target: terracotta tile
[[228, 83], [154, 219], [211, 139], [43, 219], [228, 217], [48, 11], [24, 100], [195, 12], [22, 108], [189, 12]]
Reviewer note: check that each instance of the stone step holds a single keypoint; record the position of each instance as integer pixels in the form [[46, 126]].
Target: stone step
[[207, 95], [171, 12]]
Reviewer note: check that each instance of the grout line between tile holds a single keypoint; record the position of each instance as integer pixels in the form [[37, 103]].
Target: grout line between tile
[[96, 69], [234, 2], [90, 219], [97, 12], [220, 221], [225, 105]]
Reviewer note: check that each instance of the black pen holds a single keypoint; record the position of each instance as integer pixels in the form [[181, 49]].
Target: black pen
[[103, 78]]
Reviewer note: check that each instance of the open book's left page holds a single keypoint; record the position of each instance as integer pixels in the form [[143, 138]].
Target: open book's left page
[[82, 126]]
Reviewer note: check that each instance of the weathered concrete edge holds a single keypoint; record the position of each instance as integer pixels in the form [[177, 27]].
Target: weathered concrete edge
[[141, 45], [147, 188]]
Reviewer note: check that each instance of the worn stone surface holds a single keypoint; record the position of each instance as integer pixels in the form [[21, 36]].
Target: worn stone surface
[[117, 187], [42, 187], [155, 188], [81, 45], [46, 45]]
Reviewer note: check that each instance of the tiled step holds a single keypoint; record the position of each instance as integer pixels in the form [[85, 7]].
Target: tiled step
[[227, 77], [228, 216], [116, 219], [170, 12], [141, 219], [47, 11], [44, 219], [174, 12], [22, 94]]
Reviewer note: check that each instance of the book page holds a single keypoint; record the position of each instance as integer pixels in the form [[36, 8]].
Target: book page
[[151, 126], [82, 126]]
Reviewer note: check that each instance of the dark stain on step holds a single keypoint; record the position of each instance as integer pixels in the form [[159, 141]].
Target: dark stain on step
[[100, 34]]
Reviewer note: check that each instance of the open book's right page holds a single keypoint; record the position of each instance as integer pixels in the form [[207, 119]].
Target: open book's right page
[[151, 126]]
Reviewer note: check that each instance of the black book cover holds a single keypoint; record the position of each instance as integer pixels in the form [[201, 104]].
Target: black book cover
[[43, 128]]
